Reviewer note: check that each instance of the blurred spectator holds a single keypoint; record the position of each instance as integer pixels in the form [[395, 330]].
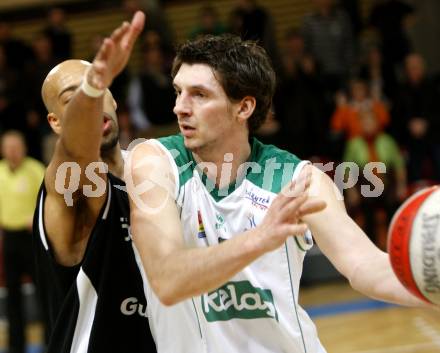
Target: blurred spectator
[[151, 93], [268, 132], [20, 180], [126, 129], [157, 21], [17, 52], [208, 23], [253, 22], [36, 70], [416, 120], [293, 53], [372, 145], [250, 20], [10, 113], [328, 36], [346, 118], [351, 7], [391, 19], [152, 39], [299, 100], [59, 35], [381, 81]]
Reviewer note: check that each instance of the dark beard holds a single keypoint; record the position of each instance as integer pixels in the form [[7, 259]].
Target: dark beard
[[110, 144]]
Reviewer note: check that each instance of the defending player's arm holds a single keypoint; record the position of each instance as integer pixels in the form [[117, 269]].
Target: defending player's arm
[[177, 272], [366, 267], [78, 117]]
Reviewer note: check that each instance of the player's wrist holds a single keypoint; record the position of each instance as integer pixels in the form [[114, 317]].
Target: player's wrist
[[88, 89], [254, 243]]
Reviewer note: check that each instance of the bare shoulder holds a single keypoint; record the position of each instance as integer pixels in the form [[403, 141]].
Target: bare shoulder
[[151, 186], [149, 163], [324, 187], [147, 148]]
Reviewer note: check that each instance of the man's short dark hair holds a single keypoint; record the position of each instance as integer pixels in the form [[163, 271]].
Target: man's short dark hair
[[241, 67]]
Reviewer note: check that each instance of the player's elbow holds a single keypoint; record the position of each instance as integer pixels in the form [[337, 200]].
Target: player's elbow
[[168, 300], [165, 292]]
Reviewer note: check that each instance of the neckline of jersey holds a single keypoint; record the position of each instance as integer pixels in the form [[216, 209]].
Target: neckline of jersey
[[219, 194]]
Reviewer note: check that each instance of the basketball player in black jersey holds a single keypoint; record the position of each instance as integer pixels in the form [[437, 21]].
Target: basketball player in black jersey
[[87, 266]]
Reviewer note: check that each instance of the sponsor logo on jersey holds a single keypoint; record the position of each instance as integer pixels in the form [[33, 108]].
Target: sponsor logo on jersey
[[251, 222], [221, 229], [220, 221], [201, 233], [257, 201], [131, 306], [238, 300]]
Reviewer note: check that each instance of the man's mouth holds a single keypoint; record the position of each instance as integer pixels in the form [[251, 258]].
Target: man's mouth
[[186, 129], [106, 125]]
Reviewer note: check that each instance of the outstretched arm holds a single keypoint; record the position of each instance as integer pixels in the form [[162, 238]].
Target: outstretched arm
[[366, 267], [68, 221], [81, 132], [177, 272]]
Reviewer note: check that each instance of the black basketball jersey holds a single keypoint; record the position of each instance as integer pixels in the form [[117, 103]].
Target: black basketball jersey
[[98, 306]]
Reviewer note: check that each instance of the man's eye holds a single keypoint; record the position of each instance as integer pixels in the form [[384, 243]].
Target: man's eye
[[66, 98]]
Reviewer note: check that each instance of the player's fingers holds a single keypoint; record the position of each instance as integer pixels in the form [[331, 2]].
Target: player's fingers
[[104, 50], [119, 32], [283, 197], [138, 21], [136, 26], [298, 186], [295, 229], [108, 49], [304, 179], [290, 211], [311, 206]]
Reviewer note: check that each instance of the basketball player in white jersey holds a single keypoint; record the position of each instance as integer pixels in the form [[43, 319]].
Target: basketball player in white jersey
[[221, 245]]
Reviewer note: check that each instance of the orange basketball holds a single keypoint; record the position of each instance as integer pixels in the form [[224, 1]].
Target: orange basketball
[[414, 244]]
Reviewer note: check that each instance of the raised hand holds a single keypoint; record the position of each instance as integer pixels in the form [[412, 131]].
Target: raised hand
[[114, 52], [283, 219]]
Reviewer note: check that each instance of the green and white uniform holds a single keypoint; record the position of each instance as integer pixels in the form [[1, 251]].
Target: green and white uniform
[[257, 311]]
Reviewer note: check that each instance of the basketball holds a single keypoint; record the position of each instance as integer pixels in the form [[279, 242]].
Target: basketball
[[414, 244]]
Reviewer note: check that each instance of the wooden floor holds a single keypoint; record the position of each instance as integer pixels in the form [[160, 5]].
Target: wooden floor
[[390, 329], [347, 323]]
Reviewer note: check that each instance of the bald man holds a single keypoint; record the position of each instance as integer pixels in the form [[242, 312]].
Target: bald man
[[86, 263]]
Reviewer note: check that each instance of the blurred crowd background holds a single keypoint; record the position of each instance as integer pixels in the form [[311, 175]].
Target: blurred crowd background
[[358, 80]]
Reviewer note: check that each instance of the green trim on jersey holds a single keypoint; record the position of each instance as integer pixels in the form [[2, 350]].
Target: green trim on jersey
[[268, 167], [294, 297], [298, 244], [278, 165], [197, 316]]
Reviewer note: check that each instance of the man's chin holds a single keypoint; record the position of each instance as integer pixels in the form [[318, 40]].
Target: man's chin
[[109, 143], [190, 144]]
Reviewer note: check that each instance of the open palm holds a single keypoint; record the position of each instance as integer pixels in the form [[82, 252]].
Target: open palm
[[114, 52]]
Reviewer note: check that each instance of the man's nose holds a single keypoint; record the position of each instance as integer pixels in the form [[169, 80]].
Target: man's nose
[[182, 106]]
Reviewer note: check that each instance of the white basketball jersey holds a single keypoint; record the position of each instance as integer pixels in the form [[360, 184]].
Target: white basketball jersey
[[257, 310]]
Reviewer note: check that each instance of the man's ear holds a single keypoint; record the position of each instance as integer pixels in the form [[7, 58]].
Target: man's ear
[[245, 108], [54, 122]]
